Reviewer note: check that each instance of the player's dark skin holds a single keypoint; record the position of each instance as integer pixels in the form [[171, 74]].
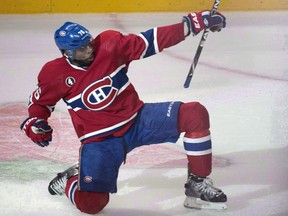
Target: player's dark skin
[[84, 55]]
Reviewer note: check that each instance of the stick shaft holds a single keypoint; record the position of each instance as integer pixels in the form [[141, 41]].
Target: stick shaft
[[199, 49]]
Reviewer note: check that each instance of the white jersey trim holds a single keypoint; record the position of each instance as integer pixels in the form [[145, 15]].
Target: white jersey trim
[[155, 41], [146, 44], [104, 130]]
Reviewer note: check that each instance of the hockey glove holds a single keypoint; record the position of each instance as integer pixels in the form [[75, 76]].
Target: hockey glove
[[37, 130], [197, 21]]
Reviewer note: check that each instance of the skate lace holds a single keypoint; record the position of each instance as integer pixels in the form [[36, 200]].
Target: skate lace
[[207, 188], [59, 186]]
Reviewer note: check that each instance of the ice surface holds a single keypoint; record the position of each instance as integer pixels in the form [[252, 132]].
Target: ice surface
[[241, 77]]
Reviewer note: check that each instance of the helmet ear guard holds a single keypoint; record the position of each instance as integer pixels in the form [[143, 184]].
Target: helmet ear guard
[[71, 36], [68, 53]]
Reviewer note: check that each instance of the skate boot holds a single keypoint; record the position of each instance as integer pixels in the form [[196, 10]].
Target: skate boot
[[201, 194], [58, 184]]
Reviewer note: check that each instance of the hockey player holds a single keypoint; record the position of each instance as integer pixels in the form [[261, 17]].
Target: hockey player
[[110, 119]]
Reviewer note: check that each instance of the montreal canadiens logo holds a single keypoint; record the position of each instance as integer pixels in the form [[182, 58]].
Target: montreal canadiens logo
[[88, 179], [99, 94], [62, 33]]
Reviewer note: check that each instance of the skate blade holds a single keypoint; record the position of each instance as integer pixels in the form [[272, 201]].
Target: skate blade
[[197, 203]]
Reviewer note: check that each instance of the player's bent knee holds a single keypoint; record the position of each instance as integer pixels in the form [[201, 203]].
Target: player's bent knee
[[193, 117], [91, 202]]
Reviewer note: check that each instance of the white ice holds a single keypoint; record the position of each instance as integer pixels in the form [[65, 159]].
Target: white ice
[[241, 78]]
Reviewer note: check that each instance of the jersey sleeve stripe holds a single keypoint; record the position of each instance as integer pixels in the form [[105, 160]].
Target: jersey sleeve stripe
[[146, 43], [156, 41], [150, 38]]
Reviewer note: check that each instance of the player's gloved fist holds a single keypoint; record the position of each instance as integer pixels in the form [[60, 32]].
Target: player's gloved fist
[[197, 21], [37, 130]]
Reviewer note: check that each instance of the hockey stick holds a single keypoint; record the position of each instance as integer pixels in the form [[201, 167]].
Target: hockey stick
[[199, 49]]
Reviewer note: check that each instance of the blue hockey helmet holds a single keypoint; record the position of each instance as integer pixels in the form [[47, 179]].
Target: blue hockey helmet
[[71, 36]]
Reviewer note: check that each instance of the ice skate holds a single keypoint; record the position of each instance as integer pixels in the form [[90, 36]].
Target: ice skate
[[58, 184], [201, 194]]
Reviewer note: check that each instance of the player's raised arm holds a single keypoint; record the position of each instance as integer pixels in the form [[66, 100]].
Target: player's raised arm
[[159, 38]]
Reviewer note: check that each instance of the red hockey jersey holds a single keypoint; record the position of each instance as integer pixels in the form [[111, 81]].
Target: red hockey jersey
[[100, 99]]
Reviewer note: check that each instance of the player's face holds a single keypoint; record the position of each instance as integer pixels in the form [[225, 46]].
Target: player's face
[[84, 53]]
